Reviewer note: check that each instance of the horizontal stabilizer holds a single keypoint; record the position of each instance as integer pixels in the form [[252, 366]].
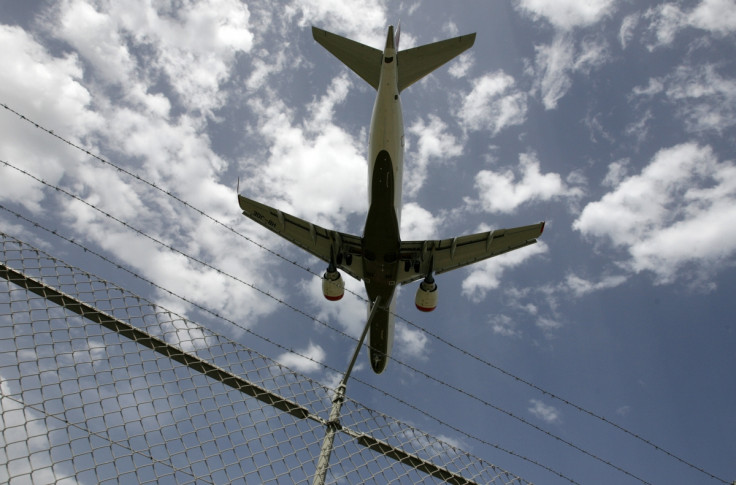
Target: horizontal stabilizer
[[363, 60], [415, 63]]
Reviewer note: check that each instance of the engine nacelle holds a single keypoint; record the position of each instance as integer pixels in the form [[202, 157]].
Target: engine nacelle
[[427, 295], [333, 286]]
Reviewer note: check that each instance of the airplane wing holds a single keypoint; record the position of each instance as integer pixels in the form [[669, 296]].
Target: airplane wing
[[447, 254], [316, 240]]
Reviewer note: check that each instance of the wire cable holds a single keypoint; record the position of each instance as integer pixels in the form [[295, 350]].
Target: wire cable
[[431, 334], [284, 348], [405, 320], [315, 319]]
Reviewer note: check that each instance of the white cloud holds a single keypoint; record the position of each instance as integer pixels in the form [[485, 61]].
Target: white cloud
[[703, 99], [580, 286], [679, 212], [411, 342], [451, 29], [542, 303], [494, 103], [626, 32], [271, 63], [547, 324], [361, 20], [193, 44], [503, 325], [418, 223], [174, 271], [567, 14], [639, 129], [100, 94], [617, 171], [592, 53], [667, 20], [557, 62], [461, 65], [655, 86], [313, 160], [95, 36], [190, 50], [306, 361], [56, 97], [502, 192], [545, 412], [554, 63], [434, 145], [718, 16], [486, 275]]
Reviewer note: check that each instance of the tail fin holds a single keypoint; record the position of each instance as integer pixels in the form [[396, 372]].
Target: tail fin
[[417, 62], [413, 64], [363, 60]]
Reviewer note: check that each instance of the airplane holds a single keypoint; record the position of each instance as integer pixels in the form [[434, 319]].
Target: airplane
[[380, 257]]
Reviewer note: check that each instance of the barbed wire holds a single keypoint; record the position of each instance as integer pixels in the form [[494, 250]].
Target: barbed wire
[[89, 312], [285, 348], [327, 325], [431, 334]]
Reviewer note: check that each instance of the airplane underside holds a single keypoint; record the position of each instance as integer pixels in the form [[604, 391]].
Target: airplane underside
[[381, 244], [380, 339], [380, 258]]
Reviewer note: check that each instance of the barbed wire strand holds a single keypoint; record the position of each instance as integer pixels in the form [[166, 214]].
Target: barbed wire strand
[[431, 334], [285, 348], [437, 337], [327, 325]]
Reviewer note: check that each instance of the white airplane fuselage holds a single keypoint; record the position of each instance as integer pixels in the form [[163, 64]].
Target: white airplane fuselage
[[381, 239], [380, 258]]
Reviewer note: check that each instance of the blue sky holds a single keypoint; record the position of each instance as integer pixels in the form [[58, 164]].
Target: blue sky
[[614, 121]]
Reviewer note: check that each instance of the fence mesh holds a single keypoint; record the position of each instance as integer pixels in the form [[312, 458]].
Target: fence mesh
[[98, 385]]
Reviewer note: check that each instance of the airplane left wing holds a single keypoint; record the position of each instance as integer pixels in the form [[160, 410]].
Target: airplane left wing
[[316, 240], [421, 257]]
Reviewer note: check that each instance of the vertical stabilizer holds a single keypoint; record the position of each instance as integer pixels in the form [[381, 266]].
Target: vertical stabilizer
[[363, 60]]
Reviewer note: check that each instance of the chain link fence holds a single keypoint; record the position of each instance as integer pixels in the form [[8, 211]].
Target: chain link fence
[[98, 385]]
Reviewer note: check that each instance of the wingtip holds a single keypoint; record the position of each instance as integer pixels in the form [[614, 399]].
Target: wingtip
[[541, 230]]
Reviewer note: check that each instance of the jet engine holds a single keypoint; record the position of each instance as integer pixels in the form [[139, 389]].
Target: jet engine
[[427, 295], [333, 286]]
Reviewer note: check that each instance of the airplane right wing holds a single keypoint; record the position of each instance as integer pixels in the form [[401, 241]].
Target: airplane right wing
[[439, 256], [318, 241]]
